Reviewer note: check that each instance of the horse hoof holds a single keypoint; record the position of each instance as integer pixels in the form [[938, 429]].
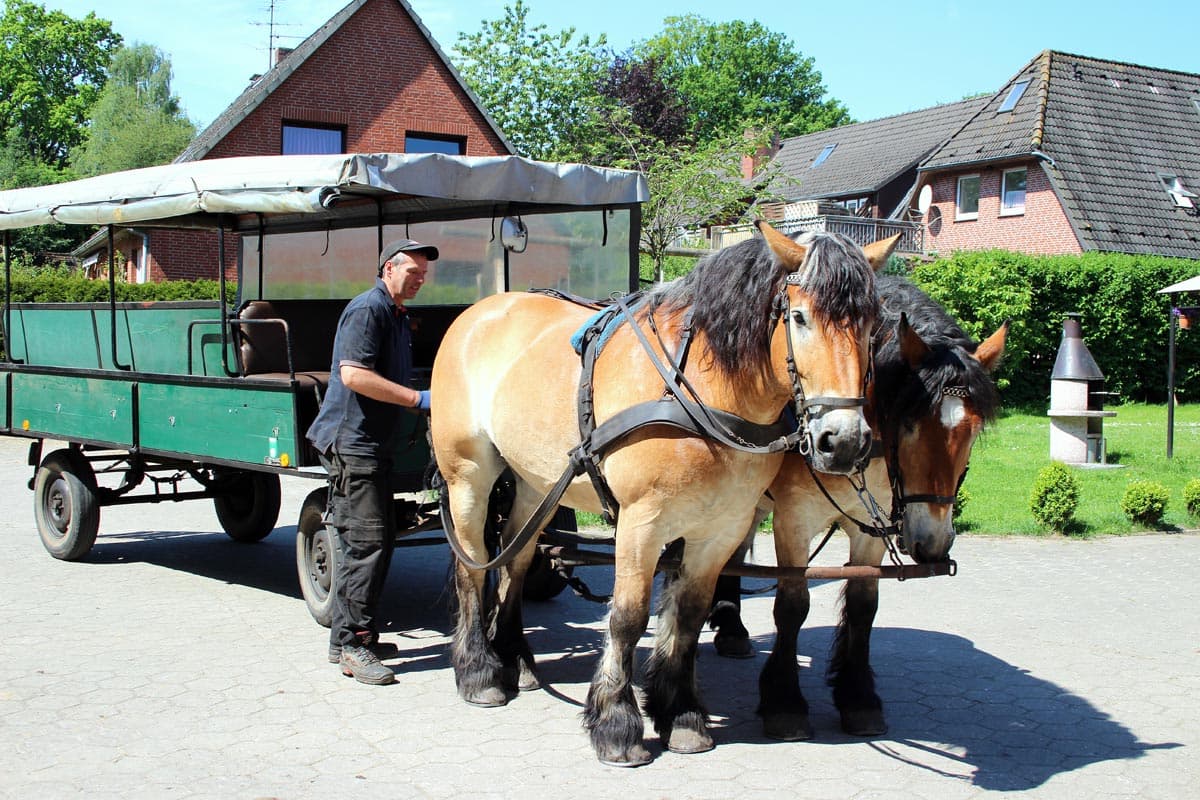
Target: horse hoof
[[733, 646], [491, 697], [868, 722], [528, 681], [636, 756], [787, 727], [688, 741]]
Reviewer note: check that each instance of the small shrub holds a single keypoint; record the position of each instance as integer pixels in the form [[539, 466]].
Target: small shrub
[[1055, 497], [960, 501], [1145, 501], [1191, 497]]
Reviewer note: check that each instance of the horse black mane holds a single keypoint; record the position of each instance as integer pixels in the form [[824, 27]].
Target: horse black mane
[[732, 293], [913, 395]]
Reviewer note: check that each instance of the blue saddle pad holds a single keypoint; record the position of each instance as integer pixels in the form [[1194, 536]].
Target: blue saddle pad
[[577, 336]]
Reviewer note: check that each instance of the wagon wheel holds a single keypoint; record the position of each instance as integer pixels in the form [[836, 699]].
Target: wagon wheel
[[65, 505], [248, 504], [316, 557], [542, 581]]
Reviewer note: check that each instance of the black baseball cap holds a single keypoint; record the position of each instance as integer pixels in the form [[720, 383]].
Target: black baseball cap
[[406, 246]]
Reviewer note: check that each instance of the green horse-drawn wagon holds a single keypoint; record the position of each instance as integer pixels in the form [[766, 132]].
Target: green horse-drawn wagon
[[171, 401]]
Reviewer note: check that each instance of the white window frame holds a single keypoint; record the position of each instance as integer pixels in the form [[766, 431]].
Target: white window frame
[[959, 214], [1181, 196], [1014, 210]]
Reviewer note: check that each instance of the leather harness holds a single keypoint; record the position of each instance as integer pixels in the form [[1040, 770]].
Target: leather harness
[[680, 408]]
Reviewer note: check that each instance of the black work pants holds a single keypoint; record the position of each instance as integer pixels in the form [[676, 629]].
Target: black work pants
[[360, 510]]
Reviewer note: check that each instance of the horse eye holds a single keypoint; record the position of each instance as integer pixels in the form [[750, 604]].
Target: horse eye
[[798, 318]]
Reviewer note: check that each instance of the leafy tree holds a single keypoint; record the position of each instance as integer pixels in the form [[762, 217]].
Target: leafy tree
[[538, 86], [655, 107], [740, 75], [137, 121], [689, 185], [51, 71]]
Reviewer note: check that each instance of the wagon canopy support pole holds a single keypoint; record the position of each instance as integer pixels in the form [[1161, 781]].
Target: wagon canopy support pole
[[221, 293], [8, 296], [112, 299]]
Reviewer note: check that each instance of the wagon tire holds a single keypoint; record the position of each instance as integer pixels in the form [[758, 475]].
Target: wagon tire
[[542, 581], [317, 555], [248, 508], [65, 505]]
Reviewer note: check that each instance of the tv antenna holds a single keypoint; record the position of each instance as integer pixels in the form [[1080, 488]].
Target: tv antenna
[[272, 36]]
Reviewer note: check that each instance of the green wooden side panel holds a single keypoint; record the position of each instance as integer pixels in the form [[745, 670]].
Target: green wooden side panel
[[70, 407], [151, 337], [235, 423], [5, 380]]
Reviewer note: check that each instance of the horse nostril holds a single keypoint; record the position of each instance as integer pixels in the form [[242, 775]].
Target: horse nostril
[[825, 443]]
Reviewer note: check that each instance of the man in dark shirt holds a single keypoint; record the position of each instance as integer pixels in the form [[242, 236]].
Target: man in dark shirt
[[354, 434]]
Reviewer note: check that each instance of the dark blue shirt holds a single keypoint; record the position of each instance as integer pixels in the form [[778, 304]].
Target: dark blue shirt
[[373, 333]]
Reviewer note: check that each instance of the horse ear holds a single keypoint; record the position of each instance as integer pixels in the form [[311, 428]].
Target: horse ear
[[912, 346], [790, 254], [877, 252], [991, 349]]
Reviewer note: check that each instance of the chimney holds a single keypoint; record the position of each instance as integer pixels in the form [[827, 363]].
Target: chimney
[[281, 53], [752, 163]]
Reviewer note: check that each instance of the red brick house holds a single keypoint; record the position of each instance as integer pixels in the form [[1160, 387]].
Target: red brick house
[[371, 79], [1074, 154]]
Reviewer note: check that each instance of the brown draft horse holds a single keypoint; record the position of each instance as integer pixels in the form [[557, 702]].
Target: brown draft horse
[[930, 397], [506, 379]]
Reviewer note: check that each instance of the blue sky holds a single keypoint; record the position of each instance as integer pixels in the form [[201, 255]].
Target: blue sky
[[878, 58]]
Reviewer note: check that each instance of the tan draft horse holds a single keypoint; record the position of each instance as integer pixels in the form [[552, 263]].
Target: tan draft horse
[[930, 397], [506, 380]]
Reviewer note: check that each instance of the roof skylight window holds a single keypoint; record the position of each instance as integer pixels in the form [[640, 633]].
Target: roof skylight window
[[1014, 94], [1180, 196], [824, 154]]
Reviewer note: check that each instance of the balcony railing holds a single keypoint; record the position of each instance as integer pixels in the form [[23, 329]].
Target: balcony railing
[[862, 230]]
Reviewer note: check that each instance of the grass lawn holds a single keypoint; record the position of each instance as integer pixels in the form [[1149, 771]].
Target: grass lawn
[[1008, 456]]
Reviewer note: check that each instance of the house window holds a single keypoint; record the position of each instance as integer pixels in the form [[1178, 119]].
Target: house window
[[1014, 94], [966, 205], [1180, 195], [312, 139], [855, 205], [824, 154], [433, 143], [1012, 192]]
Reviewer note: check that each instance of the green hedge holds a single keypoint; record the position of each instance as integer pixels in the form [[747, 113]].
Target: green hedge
[[1125, 321], [60, 285]]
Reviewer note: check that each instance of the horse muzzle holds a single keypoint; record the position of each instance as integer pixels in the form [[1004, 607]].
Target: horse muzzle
[[839, 439], [928, 531]]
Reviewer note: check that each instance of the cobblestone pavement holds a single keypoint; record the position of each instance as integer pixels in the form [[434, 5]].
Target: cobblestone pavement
[[175, 663]]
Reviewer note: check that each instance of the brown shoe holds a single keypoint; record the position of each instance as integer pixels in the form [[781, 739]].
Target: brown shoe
[[365, 667]]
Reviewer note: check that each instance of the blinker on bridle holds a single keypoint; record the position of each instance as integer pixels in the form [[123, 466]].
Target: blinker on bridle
[[804, 405]]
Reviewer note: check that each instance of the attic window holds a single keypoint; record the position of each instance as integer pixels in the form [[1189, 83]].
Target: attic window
[[1180, 196], [307, 139], [1014, 94], [1196, 103], [824, 154]]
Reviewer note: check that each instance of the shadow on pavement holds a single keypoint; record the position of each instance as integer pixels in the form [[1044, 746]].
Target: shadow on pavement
[[951, 708]]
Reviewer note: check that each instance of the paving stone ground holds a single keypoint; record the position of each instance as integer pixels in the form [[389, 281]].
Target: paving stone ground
[[176, 663]]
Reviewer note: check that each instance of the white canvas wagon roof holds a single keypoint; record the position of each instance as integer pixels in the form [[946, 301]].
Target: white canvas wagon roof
[[195, 193]]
